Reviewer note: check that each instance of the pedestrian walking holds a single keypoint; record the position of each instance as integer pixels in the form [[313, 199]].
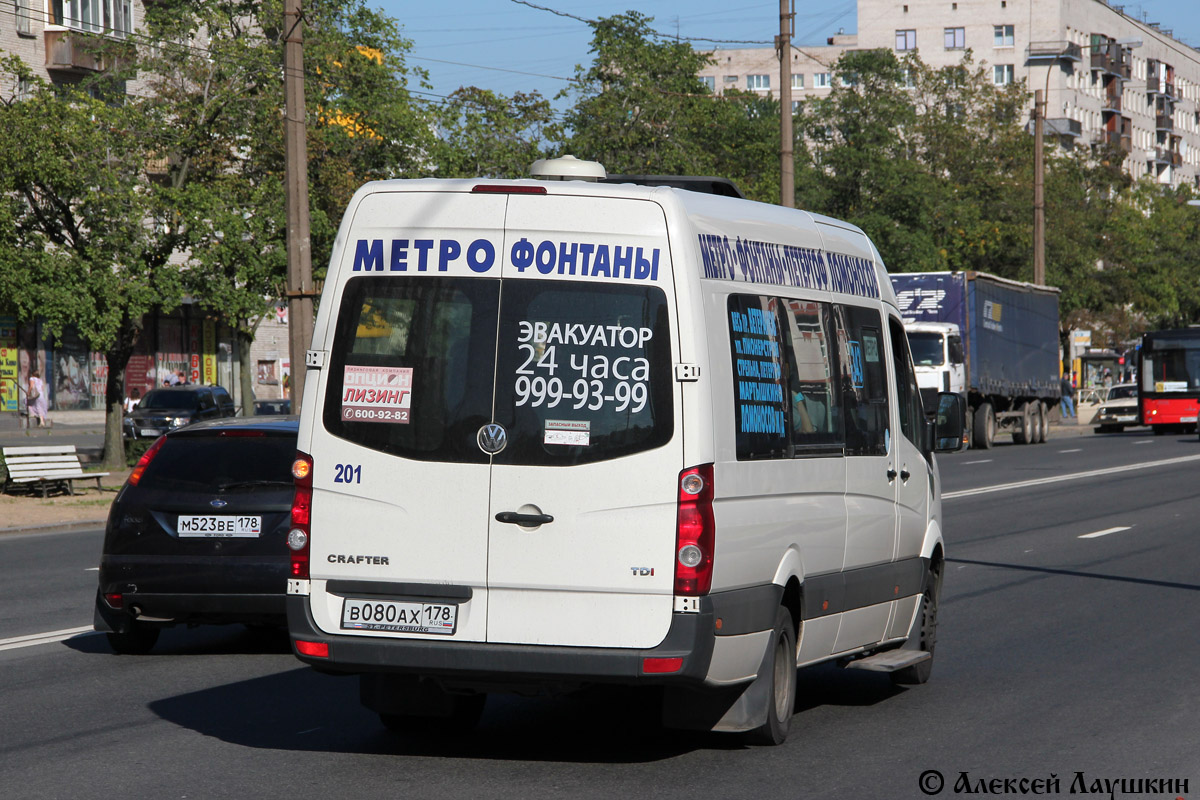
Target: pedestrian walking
[[1068, 398], [36, 400]]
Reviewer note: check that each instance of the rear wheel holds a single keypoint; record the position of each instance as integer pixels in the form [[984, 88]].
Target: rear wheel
[[924, 634], [781, 696], [1026, 434], [138, 640], [984, 427], [1043, 422]]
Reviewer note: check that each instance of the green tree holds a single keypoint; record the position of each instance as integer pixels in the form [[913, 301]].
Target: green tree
[[92, 234], [484, 134]]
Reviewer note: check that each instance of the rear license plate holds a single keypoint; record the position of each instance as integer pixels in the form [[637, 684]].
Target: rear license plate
[[1187, 419], [399, 617], [150, 432], [213, 527]]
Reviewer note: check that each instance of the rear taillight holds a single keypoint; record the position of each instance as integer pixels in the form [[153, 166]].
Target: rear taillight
[[695, 532], [114, 600], [297, 538], [144, 461]]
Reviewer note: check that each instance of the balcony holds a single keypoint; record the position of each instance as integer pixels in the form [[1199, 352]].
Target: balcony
[[66, 51], [1111, 104], [1163, 122], [1050, 52], [1063, 126], [1165, 157]]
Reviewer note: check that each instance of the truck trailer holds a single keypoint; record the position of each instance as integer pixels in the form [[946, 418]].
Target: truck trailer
[[992, 340]]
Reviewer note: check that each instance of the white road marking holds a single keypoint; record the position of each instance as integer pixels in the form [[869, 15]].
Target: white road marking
[[91, 569], [981, 461], [1074, 476], [1104, 532], [1144, 441], [44, 638], [1076, 450]]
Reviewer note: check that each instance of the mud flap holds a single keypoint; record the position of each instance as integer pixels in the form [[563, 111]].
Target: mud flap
[[734, 709]]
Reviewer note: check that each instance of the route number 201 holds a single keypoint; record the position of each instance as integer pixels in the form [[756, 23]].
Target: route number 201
[[347, 473]]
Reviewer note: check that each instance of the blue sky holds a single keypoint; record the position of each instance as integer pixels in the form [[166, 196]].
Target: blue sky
[[509, 47]]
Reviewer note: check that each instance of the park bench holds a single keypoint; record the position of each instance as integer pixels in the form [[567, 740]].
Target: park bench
[[45, 468]]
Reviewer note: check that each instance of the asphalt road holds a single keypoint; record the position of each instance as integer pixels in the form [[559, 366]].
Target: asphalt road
[[1060, 651]]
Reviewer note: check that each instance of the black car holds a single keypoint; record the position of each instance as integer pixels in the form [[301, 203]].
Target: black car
[[198, 533], [170, 407]]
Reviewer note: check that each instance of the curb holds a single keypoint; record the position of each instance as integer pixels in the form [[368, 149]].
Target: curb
[[56, 527]]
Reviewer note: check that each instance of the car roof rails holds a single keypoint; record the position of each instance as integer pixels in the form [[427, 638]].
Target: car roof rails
[[705, 184]]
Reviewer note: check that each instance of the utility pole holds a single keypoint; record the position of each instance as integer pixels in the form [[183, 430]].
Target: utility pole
[[787, 169], [1039, 200], [299, 247]]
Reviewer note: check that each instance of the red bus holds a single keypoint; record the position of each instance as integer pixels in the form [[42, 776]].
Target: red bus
[[1169, 380]]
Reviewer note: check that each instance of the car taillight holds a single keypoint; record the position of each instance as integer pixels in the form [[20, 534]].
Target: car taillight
[[297, 538], [695, 532], [144, 461]]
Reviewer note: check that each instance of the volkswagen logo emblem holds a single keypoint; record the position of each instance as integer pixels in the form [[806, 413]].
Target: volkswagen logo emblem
[[218, 503], [492, 438]]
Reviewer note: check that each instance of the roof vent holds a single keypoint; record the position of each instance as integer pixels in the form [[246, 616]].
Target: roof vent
[[567, 168]]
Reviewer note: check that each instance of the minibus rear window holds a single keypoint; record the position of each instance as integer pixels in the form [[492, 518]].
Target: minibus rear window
[[584, 372], [412, 366]]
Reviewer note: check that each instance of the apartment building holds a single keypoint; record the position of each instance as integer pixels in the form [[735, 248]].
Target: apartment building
[[1107, 75]]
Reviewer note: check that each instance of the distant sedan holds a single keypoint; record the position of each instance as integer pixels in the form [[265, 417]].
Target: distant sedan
[[1119, 409], [266, 408]]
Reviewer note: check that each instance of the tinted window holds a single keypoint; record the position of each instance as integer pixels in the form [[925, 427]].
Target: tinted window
[[584, 372], [908, 396], [816, 422], [863, 380], [760, 380], [412, 366], [156, 400], [214, 461]]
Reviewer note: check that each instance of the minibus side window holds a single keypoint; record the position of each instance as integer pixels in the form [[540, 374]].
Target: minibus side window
[[816, 425], [762, 410], [863, 379], [912, 414]]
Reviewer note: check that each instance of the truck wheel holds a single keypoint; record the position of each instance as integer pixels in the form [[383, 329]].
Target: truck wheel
[[1043, 418], [984, 427], [1025, 434], [781, 696]]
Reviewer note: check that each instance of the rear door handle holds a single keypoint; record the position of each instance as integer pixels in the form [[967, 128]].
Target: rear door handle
[[524, 520], [891, 473], [905, 474]]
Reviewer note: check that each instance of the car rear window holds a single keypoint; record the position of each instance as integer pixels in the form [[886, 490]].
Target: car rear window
[[168, 401], [229, 462], [582, 372]]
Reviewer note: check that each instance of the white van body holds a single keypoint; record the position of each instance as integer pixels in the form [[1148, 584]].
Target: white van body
[[620, 335]]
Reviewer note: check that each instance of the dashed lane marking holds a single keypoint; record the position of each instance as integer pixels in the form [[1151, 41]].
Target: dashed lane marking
[[44, 638], [1105, 532], [1074, 476]]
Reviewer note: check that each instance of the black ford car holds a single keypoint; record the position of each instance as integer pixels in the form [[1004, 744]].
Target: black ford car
[[197, 534]]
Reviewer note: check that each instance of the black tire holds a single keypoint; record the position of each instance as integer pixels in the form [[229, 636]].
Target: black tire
[[924, 635], [781, 694], [1043, 422], [1026, 434], [984, 427], [137, 641], [468, 708]]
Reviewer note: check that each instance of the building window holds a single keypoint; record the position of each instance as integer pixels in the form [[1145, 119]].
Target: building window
[[906, 79], [821, 80], [798, 81], [906, 40], [730, 79], [25, 17], [1002, 74], [956, 38], [709, 81], [758, 82], [114, 17], [1002, 35], [795, 107]]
